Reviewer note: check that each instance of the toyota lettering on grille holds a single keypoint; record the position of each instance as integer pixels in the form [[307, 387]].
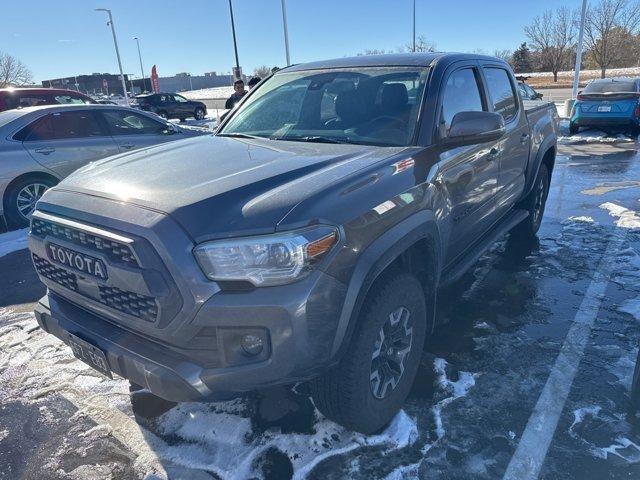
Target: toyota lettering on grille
[[77, 261]]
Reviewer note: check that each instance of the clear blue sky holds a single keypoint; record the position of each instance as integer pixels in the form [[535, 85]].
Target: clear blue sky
[[66, 37]]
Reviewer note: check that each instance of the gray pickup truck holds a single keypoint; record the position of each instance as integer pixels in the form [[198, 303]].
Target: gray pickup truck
[[305, 241]]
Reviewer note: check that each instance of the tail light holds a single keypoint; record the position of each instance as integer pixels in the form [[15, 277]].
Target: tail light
[[579, 96], [636, 111]]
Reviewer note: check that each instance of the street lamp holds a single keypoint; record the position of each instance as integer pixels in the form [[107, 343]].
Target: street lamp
[[286, 32], [414, 26], [144, 80], [237, 72], [115, 43], [576, 74]]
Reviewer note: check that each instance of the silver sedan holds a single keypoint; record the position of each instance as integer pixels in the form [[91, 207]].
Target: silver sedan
[[39, 146]]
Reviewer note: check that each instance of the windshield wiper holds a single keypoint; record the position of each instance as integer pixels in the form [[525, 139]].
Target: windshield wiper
[[314, 139], [239, 135]]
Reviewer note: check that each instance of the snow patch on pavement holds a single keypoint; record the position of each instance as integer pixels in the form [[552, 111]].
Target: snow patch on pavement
[[224, 443], [625, 218], [13, 241], [594, 136]]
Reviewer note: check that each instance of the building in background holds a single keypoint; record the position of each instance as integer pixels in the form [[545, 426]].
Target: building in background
[[107, 83], [96, 83]]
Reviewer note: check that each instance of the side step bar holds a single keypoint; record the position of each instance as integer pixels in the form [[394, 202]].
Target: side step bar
[[464, 263]]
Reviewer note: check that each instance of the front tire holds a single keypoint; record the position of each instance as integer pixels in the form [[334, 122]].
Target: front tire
[[535, 204], [20, 200], [371, 382]]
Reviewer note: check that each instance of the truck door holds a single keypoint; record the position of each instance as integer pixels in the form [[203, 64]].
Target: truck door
[[469, 173], [514, 146]]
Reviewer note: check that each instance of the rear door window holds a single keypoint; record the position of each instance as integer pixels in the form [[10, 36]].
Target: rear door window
[[62, 126], [461, 94], [501, 92], [124, 122]]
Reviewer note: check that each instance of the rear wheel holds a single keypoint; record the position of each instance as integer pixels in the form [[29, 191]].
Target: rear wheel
[[199, 113], [20, 200], [371, 382], [535, 204], [573, 128]]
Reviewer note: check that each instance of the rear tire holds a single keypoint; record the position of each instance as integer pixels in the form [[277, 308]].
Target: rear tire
[[573, 128], [199, 113], [20, 199], [371, 382], [534, 204]]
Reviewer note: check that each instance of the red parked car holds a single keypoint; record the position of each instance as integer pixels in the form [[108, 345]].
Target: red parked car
[[11, 98]]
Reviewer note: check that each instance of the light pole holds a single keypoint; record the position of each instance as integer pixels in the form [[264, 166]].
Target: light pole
[[576, 73], [115, 43], [414, 27], [237, 73], [286, 31], [144, 80]]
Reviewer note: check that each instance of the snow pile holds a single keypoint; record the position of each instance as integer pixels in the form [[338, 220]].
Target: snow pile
[[625, 218], [611, 72], [594, 136], [214, 93], [13, 241]]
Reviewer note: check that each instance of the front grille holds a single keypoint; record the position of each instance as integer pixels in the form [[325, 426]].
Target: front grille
[[140, 306], [55, 274], [115, 251]]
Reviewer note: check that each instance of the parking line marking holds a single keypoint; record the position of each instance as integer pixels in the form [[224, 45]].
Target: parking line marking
[[529, 457]]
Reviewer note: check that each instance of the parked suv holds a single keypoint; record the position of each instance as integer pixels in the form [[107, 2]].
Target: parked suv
[[305, 241], [11, 98], [171, 105]]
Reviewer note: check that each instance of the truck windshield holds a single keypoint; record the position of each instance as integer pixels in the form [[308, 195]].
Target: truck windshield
[[371, 106]]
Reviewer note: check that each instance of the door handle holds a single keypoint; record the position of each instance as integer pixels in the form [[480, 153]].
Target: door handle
[[493, 154], [127, 146], [524, 137], [45, 150]]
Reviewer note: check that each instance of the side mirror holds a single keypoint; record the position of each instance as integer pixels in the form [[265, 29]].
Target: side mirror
[[472, 128], [169, 129], [538, 96]]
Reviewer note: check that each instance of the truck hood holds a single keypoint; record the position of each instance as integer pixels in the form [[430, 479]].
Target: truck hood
[[219, 186]]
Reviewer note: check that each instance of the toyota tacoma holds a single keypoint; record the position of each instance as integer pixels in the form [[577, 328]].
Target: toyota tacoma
[[305, 240]]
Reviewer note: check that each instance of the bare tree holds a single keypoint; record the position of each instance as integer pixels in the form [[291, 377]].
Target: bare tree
[[608, 31], [262, 72], [505, 54], [422, 45], [13, 72], [552, 36]]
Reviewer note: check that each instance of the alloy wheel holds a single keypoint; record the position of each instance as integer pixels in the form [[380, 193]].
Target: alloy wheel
[[27, 198], [539, 201], [390, 352]]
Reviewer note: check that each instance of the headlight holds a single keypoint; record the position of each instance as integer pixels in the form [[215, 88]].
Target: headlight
[[267, 259]]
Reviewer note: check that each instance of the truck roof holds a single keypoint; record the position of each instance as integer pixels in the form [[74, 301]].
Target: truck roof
[[421, 59]]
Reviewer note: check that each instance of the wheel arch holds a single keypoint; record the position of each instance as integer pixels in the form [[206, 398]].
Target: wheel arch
[[27, 175], [413, 245], [546, 154]]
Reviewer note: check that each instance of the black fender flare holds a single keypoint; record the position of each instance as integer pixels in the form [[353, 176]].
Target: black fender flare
[[534, 167], [374, 260]]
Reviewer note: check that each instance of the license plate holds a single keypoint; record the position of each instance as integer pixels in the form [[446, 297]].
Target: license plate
[[78, 261], [92, 356], [604, 108]]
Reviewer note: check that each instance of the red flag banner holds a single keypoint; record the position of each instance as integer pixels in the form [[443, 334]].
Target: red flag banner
[[155, 82]]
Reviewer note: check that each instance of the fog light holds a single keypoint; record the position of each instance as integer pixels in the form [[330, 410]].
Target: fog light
[[252, 344]]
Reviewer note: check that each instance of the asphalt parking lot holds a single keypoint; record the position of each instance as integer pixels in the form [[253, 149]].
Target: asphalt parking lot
[[530, 372]]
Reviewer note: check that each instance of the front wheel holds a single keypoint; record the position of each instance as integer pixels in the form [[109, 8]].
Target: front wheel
[[199, 113], [371, 382], [20, 200], [535, 204]]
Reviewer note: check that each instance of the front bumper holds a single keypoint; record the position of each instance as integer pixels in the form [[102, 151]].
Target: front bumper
[[300, 320]]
